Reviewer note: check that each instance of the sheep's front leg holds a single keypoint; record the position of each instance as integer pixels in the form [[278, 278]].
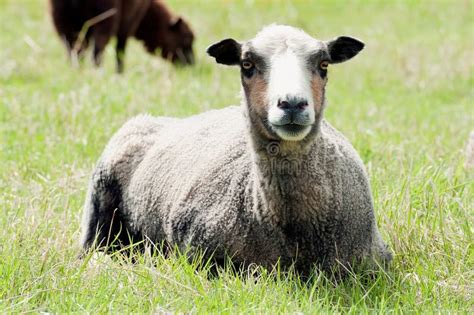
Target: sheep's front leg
[[120, 51], [100, 41], [102, 32]]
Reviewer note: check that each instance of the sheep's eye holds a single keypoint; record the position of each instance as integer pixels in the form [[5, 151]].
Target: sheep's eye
[[324, 65], [247, 65]]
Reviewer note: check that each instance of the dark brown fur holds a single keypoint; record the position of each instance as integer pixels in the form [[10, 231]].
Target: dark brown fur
[[148, 20]]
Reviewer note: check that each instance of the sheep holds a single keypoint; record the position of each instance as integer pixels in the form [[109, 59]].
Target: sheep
[[269, 182], [149, 21]]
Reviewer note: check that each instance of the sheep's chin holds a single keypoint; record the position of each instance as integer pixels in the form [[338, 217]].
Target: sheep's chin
[[289, 135]]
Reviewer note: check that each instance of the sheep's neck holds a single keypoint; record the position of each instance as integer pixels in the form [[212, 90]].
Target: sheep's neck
[[157, 18], [281, 184], [281, 176]]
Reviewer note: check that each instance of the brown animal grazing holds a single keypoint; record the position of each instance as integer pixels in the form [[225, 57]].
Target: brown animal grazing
[[148, 20]]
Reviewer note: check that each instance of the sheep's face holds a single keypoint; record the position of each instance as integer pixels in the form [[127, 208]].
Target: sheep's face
[[177, 43], [284, 74]]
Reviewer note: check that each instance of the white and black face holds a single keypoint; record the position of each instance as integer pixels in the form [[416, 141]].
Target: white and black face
[[284, 74]]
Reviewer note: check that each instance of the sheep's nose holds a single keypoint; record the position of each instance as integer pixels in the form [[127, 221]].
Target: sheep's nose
[[292, 105]]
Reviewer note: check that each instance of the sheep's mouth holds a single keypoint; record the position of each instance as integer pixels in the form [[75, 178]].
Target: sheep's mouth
[[292, 127], [292, 131]]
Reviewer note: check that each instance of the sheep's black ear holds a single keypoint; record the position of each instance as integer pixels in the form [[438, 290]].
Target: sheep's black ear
[[344, 48], [176, 24], [226, 51]]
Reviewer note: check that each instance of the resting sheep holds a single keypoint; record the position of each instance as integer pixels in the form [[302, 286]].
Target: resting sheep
[[267, 182]]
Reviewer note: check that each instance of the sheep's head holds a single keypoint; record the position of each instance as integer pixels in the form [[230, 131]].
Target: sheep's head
[[174, 38], [178, 43], [284, 74]]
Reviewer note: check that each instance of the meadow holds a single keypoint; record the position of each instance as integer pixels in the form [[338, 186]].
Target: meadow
[[406, 103]]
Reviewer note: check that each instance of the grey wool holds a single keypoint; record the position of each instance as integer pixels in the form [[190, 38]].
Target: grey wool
[[241, 183]]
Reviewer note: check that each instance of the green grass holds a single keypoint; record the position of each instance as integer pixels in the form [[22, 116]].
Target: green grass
[[406, 103]]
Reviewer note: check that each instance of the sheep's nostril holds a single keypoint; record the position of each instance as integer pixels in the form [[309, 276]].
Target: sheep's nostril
[[293, 105], [302, 105], [284, 104]]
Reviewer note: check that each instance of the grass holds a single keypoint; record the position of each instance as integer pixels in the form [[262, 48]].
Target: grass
[[406, 103]]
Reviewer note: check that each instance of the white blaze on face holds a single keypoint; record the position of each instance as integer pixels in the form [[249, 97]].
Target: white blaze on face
[[289, 77]]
